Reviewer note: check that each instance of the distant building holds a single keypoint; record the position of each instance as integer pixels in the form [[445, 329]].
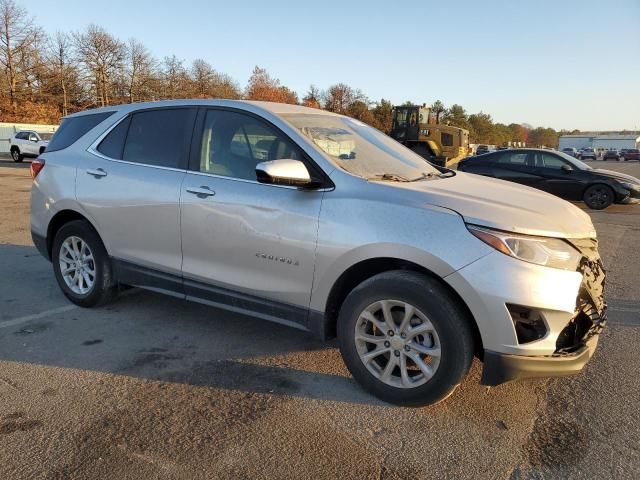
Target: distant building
[[599, 141]]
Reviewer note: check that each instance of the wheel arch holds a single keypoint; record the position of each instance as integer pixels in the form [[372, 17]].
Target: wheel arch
[[60, 219], [365, 269]]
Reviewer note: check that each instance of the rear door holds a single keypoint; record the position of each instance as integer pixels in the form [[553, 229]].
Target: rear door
[[246, 245], [516, 166], [567, 184], [130, 185]]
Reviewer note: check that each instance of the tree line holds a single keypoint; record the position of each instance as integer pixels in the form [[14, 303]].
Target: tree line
[[46, 76]]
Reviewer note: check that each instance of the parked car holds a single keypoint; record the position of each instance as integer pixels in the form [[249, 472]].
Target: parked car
[[28, 143], [629, 154], [336, 230], [588, 153], [571, 151], [611, 154], [482, 149], [559, 174]]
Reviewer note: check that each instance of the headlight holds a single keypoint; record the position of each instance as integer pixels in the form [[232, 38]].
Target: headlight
[[548, 252], [628, 186]]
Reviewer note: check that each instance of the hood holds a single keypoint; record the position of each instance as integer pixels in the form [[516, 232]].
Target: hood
[[505, 206], [616, 175]]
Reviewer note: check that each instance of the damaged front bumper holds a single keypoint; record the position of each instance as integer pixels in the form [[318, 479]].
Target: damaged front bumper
[[501, 368], [575, 344]]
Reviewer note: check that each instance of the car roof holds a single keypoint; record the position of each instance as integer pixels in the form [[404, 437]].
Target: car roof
[[272, 107]]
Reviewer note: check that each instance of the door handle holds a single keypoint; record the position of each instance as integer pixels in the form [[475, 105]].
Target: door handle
[[202, 191], [98, 172]]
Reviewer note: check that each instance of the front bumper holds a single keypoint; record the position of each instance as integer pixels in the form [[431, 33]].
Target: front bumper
[[569, 304], [500, 368], [631, 196]]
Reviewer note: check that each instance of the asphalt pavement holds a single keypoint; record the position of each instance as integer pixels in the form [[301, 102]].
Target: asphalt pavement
[[155, 387]]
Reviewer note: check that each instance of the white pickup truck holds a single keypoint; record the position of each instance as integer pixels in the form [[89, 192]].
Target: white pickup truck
[[28, 143]]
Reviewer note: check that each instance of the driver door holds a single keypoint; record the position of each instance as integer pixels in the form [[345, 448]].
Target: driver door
[[247, 246]]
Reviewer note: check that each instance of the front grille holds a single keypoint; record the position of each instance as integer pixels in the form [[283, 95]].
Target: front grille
[[590, 313]]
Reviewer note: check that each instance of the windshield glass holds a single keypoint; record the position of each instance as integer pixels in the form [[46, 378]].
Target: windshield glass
[[574, 161], [45, 136], [360, 149]]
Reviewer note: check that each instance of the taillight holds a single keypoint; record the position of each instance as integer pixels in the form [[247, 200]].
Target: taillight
[[36, 166]]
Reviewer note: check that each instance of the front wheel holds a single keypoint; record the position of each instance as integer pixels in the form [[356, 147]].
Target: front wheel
[[405, 339], [16, 155], [598, 197], [81, 265]]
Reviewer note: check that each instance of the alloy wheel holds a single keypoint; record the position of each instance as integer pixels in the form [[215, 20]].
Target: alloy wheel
[[77, 265], [397, 343], [599, 197]]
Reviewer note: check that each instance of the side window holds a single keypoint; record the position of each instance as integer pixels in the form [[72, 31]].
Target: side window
[[158, 137], [516, 158], [446, 139], [401, 118], [71, 129], [113, 144], [20, 135], [233, 144], [551, 161], [33, 137]]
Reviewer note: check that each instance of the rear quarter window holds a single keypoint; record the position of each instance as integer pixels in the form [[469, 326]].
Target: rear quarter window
[[71, 129]]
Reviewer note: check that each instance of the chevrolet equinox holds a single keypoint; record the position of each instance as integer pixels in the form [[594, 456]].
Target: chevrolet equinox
[[320, 222]]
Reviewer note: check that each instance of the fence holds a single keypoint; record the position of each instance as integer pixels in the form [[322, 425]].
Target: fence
[[7, 130]]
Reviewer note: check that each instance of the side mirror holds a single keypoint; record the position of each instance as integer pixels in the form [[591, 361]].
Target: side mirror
[[567, 168], [284, 172], [34, 139]]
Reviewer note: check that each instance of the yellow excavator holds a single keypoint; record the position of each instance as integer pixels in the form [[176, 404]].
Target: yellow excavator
[[416, 127]]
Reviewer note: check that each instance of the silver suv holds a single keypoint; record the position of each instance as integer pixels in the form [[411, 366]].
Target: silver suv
[[322, 223]]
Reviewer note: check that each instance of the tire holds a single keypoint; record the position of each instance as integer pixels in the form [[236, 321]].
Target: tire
[[448, 336], [16, 155], [103, 288], [598, 196]]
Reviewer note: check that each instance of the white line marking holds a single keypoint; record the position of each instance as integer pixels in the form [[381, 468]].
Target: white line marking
[[27, 318]]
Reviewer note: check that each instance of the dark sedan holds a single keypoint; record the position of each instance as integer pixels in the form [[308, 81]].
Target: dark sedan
[[611, 154], [557, 173]]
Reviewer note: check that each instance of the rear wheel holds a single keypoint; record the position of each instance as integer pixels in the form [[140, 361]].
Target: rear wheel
[[598, 197], [16, 155], [82, 266], [405, 339]]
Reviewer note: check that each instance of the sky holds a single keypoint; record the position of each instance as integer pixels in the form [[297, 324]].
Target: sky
[[561, 64]]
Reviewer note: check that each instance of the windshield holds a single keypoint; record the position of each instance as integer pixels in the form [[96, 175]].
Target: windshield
[[575, 161], [360, 149], [45, 136]]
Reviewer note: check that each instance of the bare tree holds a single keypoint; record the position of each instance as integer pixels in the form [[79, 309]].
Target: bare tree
[[175, 78], [140, 70], [17, 35], [313, 97], [60, 57], [340, 97], [209, 83], [102, 56], [202, 75]]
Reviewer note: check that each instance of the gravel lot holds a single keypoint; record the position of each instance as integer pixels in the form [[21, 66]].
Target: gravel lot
[[154, 387]]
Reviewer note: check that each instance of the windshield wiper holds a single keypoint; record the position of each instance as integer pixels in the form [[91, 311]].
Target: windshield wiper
[[392, 177]]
